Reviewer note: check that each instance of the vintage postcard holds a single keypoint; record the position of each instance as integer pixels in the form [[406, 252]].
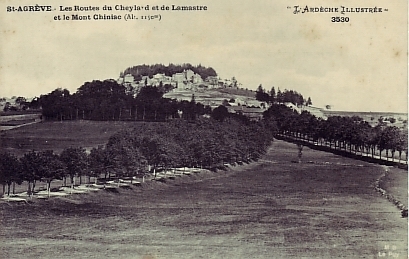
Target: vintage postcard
[[204, 129]]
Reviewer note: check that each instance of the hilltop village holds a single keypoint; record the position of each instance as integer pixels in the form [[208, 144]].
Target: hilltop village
[[186, 80], [212, 91]]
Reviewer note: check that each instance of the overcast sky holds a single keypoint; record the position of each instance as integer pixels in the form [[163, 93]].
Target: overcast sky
[[355, 66]]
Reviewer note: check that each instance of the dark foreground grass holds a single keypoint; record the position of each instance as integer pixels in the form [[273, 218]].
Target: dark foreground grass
[[325, 207], [57, 135]]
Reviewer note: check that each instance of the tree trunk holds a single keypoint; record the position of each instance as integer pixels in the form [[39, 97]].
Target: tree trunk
[[29, 189], [48, 188]]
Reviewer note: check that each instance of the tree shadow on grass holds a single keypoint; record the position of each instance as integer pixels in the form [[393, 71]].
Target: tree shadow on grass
[[111, 189]]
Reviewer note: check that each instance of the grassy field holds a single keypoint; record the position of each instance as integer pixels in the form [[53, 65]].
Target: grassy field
[[214, 96], [325, 207], [238, 92], [59, 135]]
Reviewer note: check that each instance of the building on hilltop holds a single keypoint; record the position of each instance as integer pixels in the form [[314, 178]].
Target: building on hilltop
[[186, 80], [179, 78], [128, 78], [253, 113], [212, 81], [159, 76], [128, 81], [196, 79], [189, 75]]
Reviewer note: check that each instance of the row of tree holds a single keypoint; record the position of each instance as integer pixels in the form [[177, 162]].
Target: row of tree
[[169, 70], [43, 166], [203, 143], [352, 134], [287, 96], [108, 100]]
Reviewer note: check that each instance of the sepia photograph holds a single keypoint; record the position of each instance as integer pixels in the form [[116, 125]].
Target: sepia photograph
[[159, 129]]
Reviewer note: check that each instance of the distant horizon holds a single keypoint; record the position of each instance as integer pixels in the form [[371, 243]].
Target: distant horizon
[[73, 89], [366, 111], [314, 106]]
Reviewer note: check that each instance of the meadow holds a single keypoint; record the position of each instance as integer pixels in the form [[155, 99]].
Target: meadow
[[324, 207], [55, 135]]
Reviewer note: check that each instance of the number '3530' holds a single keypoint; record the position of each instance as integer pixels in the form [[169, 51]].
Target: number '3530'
[[339, 19]]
